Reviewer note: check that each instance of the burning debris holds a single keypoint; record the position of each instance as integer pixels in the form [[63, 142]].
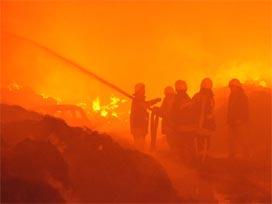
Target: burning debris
[[91, 114], [109, 110]]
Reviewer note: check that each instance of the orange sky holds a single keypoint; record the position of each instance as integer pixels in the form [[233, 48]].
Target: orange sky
[[127, 41]]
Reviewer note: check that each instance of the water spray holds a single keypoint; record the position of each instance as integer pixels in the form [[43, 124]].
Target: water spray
[[71, 62]]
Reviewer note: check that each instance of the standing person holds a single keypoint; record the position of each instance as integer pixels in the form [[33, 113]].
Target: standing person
[[179, 114], [139, 115], [237, 119], [164, 111], [203, 103], [181, 137]]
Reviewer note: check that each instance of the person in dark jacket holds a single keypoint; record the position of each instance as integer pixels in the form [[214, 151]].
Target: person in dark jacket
[[180, 113], [139, 115], [163, 112], [203, 105], [237, 119], [181, 138], [165, 109]]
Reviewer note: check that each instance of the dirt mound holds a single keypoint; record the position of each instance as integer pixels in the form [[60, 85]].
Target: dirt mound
[[16, 190], [11, 113], [42, 154]]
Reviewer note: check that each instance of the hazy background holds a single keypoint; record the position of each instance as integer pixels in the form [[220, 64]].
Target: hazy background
[[155, 42]]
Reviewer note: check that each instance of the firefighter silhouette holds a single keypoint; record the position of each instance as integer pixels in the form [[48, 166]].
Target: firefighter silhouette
[[139, 116], [203, 106], [181, 138], [237, 118], [164, 112]]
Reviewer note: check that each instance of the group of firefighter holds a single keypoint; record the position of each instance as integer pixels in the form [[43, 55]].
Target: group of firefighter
[[188, 123]]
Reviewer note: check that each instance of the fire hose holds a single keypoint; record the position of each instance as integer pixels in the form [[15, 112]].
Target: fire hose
[[73, 63], [154, 119]]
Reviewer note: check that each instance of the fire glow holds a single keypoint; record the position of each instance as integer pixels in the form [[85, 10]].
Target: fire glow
[[108, 109]]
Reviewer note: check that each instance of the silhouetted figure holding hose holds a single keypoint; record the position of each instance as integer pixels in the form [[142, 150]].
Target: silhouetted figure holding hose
[[163, 112], [139, 115]]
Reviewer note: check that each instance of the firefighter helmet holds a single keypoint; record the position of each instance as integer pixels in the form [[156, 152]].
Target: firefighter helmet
[[139, 88], [234, 82], [180, 85], [206, 83], [169, 90]]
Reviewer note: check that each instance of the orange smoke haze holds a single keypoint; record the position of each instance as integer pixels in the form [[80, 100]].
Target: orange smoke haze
[[127, 42]]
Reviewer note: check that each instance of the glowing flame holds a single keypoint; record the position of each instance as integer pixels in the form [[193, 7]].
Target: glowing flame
[[263, 83], [96, 105], [95, 109], [108, 110], [114, 114], [114, 102], [14, 86], [104, 113], [82, 105], [245, 72], [44, 95]]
